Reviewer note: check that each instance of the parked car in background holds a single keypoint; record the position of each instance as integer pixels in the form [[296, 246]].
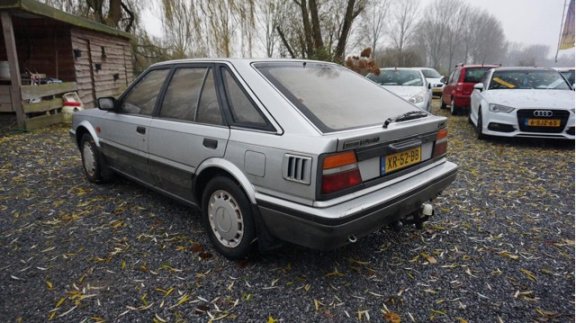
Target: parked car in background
[[300, 151], [523, 102], [456, 92], [568, 74], [435, 79], [408, 83]]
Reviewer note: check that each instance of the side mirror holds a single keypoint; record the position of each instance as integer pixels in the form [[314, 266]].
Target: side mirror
[[107, 103], [429, 86], [479, 86]]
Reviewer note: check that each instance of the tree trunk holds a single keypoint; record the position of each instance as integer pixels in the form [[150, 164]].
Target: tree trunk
[[346, 25]]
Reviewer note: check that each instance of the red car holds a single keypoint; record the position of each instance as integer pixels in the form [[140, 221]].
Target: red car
[[457, 91]]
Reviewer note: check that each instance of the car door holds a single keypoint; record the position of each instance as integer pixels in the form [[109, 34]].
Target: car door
[[449, 87], [189, 128], [123, 134]]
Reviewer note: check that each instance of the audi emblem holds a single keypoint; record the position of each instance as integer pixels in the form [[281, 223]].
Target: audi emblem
[[543, 113]]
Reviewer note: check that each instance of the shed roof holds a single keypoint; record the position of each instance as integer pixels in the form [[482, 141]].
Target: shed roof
[[40, 9]]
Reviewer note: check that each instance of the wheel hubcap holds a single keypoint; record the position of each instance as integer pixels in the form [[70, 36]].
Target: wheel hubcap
[[225, 218], [89, 159]]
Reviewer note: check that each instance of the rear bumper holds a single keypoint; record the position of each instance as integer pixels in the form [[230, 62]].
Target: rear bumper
[[462, 102], [310, 227]]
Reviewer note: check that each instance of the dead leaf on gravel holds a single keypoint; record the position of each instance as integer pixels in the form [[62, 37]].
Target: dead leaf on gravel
[[392, 317]]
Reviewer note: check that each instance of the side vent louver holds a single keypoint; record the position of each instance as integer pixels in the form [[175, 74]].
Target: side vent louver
[[297, 168]]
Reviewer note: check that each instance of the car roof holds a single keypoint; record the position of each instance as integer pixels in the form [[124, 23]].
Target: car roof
[[399, 68], [523, 68], [236, 61], [479, 65]]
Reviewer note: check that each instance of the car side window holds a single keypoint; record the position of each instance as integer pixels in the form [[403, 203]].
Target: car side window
[[142, 97], [451, 79], [456, 76], [209, 108], [183, 93], [243, 110]]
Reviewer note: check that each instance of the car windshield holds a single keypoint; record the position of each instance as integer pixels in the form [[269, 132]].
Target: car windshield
[[431, 73], [544, 80], [475, 74], [396, 77], [333, 97]]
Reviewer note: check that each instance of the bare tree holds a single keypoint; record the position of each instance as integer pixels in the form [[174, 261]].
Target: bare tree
[[488, 42], [183, 28], [404, 19], [373, 23], [270, 12], [323, 30]]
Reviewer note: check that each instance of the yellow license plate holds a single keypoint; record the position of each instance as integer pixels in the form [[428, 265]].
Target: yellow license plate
[[401, 160], [544, 122]]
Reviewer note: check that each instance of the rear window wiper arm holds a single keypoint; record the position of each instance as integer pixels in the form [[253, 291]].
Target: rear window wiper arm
[[406, 116]]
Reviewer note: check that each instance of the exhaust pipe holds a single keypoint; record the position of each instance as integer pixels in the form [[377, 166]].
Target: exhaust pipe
[[352, 238]]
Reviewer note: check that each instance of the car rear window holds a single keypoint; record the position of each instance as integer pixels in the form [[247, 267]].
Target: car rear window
[[430, 73], [475, 74], [333, 97], [396, 77]]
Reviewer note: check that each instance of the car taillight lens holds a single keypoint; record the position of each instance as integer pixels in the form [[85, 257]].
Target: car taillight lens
[[340, 171], [441, 144]]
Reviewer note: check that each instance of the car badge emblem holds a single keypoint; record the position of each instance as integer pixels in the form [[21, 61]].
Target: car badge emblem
[[543, 113]]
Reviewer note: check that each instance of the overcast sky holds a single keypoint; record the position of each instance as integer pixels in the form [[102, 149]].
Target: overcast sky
[[528, 22]]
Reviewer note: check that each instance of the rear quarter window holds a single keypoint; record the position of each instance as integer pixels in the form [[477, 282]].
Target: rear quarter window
[[474, 74]]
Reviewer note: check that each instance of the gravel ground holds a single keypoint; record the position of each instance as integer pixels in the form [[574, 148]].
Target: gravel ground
[[500, 248]]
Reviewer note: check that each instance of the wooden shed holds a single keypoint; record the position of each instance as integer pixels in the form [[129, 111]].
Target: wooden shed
[[45, 53]]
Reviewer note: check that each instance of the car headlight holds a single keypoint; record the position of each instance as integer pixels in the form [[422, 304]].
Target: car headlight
[[416, 98], [500, 108]]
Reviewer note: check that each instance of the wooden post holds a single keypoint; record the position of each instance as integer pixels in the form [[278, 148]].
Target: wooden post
[[10, 42]]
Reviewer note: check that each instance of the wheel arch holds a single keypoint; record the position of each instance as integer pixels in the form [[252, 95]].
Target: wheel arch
[[83, 128], [215, 166]]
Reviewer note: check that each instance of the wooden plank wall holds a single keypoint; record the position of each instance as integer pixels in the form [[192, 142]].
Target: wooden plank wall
[[5, 99], [115, 61]]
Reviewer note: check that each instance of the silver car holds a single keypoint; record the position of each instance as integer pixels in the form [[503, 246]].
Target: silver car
[[271, 150]]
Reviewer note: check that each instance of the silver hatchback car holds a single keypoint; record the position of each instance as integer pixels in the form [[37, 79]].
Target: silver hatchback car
[[271, 150]]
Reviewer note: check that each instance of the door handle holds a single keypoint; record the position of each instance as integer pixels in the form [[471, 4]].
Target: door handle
[[210, 143], [141, 129]]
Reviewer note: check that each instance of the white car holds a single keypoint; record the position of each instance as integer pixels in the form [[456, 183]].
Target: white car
[[435, 79], [408, 83], [523, 102]]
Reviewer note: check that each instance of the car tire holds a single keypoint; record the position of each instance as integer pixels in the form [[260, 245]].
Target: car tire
[[453, 110], [442, 104], [94, 165], [479, 133], [227, 216]]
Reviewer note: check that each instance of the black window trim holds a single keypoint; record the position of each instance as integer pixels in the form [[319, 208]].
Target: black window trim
[[268, 127]]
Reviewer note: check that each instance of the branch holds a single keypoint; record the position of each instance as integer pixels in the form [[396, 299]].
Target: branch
[[285, 42]]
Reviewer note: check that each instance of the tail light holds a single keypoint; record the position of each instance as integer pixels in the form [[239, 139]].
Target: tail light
[[340, 171], [441, 144]]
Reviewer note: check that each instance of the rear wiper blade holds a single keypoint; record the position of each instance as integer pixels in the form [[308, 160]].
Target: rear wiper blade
[[406, 116]]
